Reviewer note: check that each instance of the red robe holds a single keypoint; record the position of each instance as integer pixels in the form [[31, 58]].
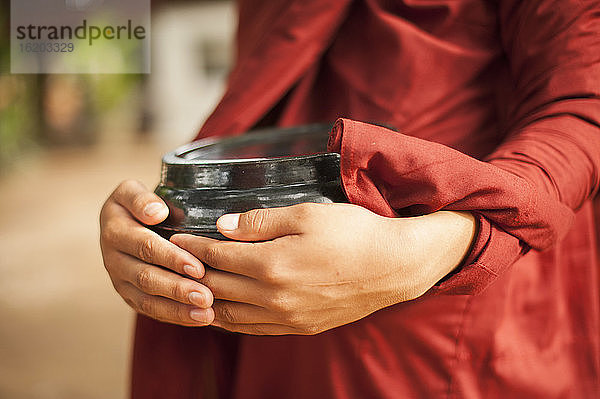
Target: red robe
[[497, 107]]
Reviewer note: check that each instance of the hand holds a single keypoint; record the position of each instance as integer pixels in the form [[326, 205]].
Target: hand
[[136, 259], [313, 267]]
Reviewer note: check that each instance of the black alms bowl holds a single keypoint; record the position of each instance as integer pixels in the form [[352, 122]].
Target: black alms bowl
[[261, 169]]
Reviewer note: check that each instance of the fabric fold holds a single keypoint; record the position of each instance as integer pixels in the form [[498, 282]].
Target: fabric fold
[[393, 174], [275, 59], [518, 203]]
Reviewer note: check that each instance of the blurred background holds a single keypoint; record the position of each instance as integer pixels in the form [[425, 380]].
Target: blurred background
[[65, 142]]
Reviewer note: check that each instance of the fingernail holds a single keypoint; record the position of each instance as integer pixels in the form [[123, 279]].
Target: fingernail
[[193, 271], [229, 222], [199, 315], [198, 299], [153, 209]]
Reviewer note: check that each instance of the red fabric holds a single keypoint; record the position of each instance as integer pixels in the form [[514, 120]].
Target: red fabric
[[497, 105]]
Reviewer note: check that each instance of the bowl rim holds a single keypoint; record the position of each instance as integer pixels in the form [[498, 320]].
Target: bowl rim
[[175, 158]]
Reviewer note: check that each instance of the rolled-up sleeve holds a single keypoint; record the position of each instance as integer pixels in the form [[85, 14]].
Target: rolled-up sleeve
[[527, 191]]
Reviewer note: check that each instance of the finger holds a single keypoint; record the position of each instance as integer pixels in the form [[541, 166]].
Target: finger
[[234, 287], [242, 258], [125, 234], [154, 280], [263, 224], [242, 313], [142, 203], [256, 329], [164, 309]]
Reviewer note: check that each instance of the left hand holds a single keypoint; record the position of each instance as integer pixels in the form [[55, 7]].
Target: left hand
[[312, 267]]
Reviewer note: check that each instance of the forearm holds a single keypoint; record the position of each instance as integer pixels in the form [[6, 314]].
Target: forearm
[[407, 175]]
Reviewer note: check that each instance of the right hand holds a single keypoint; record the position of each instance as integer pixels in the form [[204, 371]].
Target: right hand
[[137, 260]]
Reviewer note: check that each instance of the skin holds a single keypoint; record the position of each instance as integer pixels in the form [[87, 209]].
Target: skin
[[147, 270], [302, 269]]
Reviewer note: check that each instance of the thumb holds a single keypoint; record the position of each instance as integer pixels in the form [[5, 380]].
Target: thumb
[[259, 224], [142, 203]]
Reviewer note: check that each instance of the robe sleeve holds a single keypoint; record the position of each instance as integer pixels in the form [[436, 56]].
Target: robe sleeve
[[526, 192]]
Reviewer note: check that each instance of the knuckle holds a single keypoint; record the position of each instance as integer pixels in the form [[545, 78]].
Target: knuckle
[[146, 306], [179, 292], [108, 231], [139, 201], [280, 302], [212, 254], [145, 280], [109, 264], [256, 219], [128, 184], [182, 313], [304, 210], [274, 273], [227, 314], [146, 250], [122, 189]]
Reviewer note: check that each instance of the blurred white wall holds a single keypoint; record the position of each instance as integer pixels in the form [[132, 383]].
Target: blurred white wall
[[192, 53]]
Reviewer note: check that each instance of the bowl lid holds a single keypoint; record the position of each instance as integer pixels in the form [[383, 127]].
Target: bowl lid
[[262, 158]]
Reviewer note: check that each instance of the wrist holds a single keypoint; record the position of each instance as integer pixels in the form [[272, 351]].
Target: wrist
[[436, 244]]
